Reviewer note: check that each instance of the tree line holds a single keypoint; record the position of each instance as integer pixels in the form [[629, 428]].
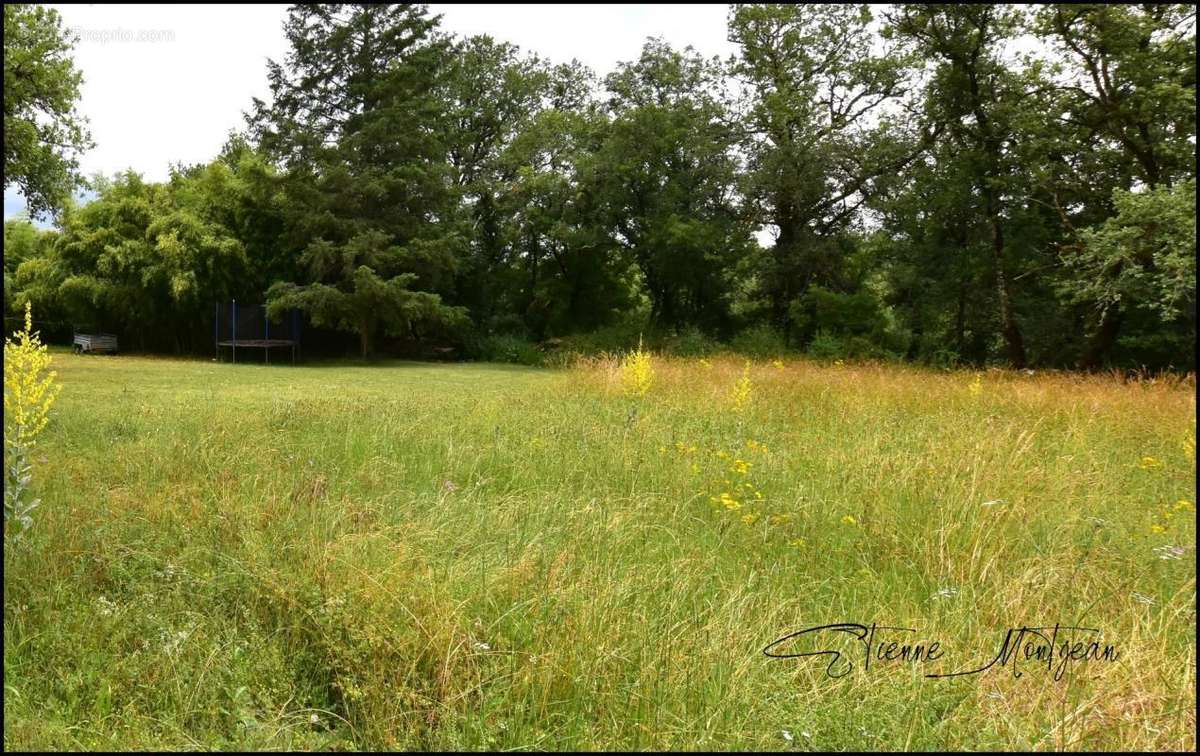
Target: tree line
[[944, 183]]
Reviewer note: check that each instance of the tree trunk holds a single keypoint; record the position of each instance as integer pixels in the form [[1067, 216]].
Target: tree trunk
[[1012, 333], [364, 339], [960, 321], [1103, 340], [1008, 323], [782, 289], [991, 146], [534, 251]]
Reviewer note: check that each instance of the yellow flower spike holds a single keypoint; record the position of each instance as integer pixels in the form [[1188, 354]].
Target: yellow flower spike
[[30, 390], [1184, 504], [29, 386], [637, 372], [976, 385], [849, 520], [1148, 463], [742, 390], [1156, 528]]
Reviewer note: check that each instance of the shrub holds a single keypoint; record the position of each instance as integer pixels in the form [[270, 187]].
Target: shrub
[[840, 314], [944, 358], [761, 342], [620, 337], [504, 348], [826, 346], [692, 342]]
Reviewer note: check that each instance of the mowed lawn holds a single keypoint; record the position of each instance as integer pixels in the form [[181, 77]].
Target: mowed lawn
[[412, 555]]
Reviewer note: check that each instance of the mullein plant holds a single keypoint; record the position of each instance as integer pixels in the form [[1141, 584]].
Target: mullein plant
[[740, 396], [637, 376], [29, 391]]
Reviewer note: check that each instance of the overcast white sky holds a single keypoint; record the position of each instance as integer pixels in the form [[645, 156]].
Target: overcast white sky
[[165, 84]]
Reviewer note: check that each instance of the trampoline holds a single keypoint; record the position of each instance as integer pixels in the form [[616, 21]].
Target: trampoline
[[240, 326]]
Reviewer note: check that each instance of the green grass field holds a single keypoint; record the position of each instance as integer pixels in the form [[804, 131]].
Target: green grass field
[[479, 556]]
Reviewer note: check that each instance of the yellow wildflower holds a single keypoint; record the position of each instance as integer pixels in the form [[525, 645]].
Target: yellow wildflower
[[849, 520], [29, 387], [1149, 462], [976, 386], [29, 392], [637, 372], [742, 390]]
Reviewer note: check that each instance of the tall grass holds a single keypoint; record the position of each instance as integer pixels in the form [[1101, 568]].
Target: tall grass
[[476, 556]]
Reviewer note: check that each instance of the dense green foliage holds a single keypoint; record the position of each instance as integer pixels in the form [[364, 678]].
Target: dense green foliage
[[43, 135], [929, 193]]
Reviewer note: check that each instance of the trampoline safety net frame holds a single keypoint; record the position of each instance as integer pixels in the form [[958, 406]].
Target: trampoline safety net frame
[[248, 327]]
